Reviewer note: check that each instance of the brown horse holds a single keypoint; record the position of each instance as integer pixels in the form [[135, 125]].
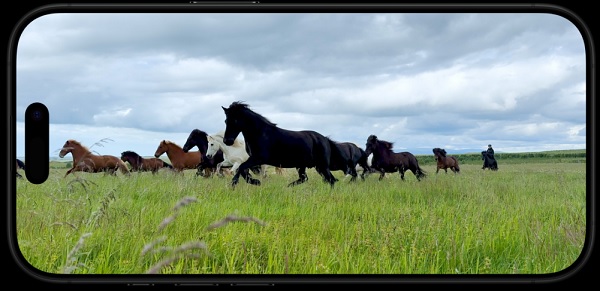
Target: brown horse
[[85, 161], [444, 162], [180, 160], [385, 160], [139, 164]]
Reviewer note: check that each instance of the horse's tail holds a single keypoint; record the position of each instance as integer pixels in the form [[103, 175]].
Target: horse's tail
[[420, 172], [456, 164], [167, 165], [123, 167]]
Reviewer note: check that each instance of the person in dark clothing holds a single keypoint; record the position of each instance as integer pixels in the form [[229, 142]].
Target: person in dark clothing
[[490, 150]]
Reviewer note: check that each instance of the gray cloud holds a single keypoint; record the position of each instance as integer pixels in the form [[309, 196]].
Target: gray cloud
[[458, 81]]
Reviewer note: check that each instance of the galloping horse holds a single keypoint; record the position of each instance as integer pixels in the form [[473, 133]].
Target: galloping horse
[[20, 165], [489, 162], [197, 138], [351, 156], [387, 161], [85, 161], [139, 164], [233, 155], [444, 162], [180, 160], [268, 144]]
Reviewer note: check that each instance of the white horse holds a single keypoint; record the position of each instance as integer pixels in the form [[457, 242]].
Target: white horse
[[233, 155]]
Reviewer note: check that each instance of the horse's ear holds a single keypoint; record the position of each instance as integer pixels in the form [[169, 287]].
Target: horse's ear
[[224, 109]]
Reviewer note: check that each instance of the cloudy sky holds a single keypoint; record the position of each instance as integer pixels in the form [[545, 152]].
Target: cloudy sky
[[456, 81]]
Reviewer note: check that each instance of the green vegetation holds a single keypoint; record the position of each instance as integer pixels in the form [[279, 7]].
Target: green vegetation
[[527, 218], [563, 156]]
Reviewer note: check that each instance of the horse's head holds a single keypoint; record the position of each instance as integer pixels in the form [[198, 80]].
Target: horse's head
[[162, 148], [371, 144], [439, 152], [67, 148], [196, 138], [124, 157], [131, 157], [483, 155], [232, 124], [213, 147]]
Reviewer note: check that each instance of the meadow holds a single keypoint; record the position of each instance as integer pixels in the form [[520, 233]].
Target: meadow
[[527, 218]]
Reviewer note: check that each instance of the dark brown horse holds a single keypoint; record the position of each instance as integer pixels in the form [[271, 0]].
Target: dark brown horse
[[387, 161], [444, 162], [180, 160], [140, 164], [85, 161]]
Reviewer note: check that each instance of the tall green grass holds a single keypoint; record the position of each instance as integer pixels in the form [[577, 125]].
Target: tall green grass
[[523, 219]]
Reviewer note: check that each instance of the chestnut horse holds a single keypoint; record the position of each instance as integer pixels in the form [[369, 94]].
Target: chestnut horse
[[85, 161], [139, 164], [180, 160], [444, 162]]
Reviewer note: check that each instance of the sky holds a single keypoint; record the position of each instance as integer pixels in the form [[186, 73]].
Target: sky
[[461, 81]]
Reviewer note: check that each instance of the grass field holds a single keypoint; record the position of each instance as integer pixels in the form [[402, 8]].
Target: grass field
[[526, 218]]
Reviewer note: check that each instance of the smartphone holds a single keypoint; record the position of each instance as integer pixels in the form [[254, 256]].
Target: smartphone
[[113, 109]]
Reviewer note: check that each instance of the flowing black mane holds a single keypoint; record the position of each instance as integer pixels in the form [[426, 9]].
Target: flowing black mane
[[386, 144], [130, 154], [241, 108], [442, 152]]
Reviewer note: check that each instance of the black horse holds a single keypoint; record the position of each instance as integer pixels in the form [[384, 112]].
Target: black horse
[[489, 162], [350, 156], [268, 144], [387, 161], [198, 138], [20, 165]]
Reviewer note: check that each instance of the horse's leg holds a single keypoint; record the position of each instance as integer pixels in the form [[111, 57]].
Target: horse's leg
[[302, 177], [69, 172], [219, 173], [263, 170], [199, 170], [381, 174], [243, 171], [327, 175], [353, 173]]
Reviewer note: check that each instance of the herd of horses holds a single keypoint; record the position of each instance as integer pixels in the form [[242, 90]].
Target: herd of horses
[[265, 144]]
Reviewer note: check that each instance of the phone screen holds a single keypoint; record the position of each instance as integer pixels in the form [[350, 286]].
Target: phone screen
[[204, 145]]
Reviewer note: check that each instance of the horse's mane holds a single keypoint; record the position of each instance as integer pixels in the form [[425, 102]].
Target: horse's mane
[[170, 142], [241, 107], [388, 145], [79, 144], [199, 132], [441, 151], [130, 153]]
